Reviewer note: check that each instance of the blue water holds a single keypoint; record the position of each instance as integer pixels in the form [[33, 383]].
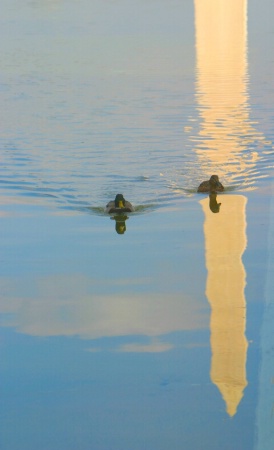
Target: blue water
[[108, 339]]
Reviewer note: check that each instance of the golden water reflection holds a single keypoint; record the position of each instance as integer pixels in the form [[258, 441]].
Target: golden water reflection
[[225, 243], [225, 145], [227, 136]]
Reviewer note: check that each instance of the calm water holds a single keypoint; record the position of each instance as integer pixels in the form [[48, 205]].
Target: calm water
[[153, 331]]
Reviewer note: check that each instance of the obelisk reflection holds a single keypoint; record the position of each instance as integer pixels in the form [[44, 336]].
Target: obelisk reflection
[[222, 102], [225, 242]]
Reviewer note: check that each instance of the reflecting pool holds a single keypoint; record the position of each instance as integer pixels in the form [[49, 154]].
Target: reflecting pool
[[151, 329]]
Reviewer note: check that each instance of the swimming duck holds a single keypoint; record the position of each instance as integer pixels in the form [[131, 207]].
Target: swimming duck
[[119, 205], [212, 185]]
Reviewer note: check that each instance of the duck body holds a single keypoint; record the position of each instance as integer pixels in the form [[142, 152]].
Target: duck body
[[211, 185], [119, 205]]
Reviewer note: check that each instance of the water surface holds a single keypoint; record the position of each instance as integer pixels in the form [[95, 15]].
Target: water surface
[[152, 330]]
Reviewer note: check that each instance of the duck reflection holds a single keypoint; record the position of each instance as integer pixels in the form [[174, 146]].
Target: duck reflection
[[214, 206], [120, 223]]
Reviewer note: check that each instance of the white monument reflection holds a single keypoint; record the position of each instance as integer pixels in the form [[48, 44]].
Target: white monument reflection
[[222, 147]]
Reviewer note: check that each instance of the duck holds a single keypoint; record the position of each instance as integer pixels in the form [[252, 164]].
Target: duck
[[211, 185], [119, 205]]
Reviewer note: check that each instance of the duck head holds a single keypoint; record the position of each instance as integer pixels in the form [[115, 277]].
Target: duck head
[[214, 182], [119, 201]]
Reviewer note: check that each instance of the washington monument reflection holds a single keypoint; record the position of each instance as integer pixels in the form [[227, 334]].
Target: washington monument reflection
[[222, 98]]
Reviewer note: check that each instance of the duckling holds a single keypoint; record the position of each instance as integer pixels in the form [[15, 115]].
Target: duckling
[[119, 205], [212, 185]]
